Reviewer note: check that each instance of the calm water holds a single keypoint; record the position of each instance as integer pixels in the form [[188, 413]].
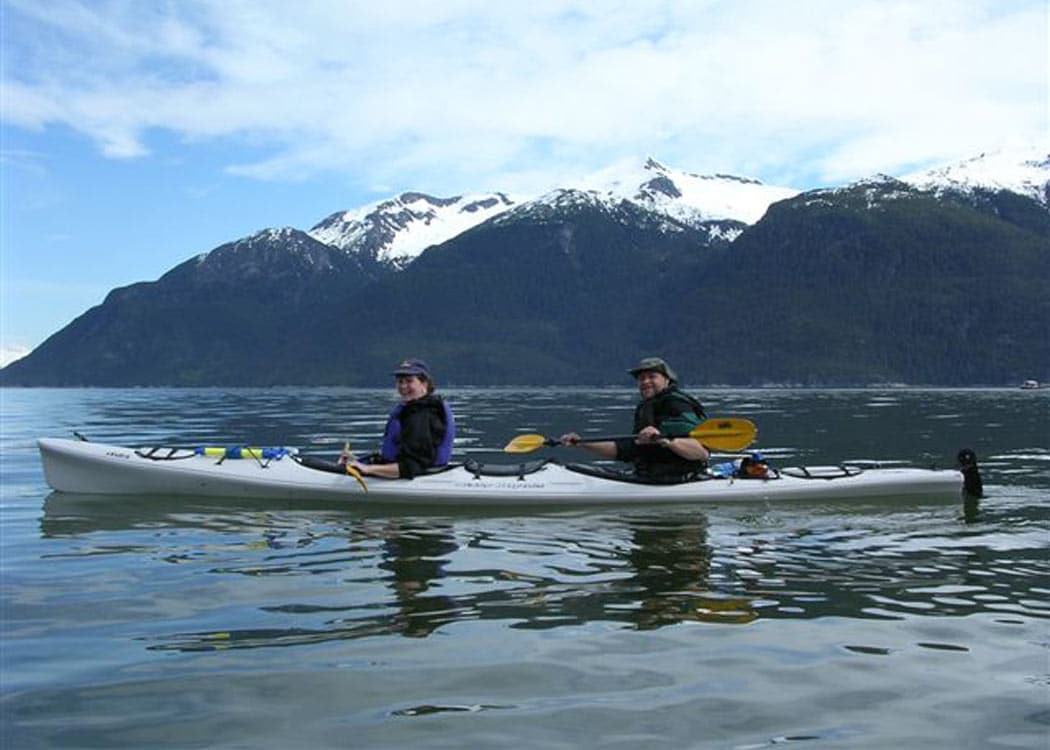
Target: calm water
[[130, 622]]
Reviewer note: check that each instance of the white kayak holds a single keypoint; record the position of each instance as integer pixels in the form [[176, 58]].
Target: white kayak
[[79, 466]]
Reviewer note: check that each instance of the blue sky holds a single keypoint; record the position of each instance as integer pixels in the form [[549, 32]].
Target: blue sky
[[135, 135]]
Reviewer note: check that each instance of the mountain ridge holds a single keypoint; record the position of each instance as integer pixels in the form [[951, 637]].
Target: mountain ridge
[[563, 288], [394, 231]]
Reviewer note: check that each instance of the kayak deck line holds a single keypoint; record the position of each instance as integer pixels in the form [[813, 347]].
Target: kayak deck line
[[83, 467]]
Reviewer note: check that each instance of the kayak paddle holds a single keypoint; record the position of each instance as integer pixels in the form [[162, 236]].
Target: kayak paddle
[[356, 475], [346, 456], [722, 433]]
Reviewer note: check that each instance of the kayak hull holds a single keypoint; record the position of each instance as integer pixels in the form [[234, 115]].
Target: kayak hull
[[81, 467]]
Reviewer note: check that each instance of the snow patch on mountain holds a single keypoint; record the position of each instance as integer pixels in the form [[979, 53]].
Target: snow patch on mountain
[[720, 205], [868, 193], [289, 238], [1026, 172], [11, 353], [685, 196], [399, 229], [557, 204]]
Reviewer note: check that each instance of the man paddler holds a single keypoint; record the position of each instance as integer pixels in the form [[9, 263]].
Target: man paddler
[[661, 449]]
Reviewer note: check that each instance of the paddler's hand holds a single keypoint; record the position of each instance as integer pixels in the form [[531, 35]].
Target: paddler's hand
[[569, 438], [649, 436], [360, 467]]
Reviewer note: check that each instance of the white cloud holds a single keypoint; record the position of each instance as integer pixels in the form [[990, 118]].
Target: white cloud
[[475, 94]]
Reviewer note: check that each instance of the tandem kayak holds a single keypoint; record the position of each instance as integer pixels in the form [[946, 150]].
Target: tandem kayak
[[78, 466]]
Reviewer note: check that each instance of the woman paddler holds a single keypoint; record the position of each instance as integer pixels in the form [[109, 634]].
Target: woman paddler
[[419, 431]]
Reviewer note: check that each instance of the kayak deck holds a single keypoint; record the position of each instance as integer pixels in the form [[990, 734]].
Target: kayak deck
[[82, 467]]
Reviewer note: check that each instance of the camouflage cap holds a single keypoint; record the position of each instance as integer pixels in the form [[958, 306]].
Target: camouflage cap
[[654, 364]]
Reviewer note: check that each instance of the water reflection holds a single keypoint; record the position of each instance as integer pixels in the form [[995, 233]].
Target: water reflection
[[340, 575], [416, 556], [671, 564]]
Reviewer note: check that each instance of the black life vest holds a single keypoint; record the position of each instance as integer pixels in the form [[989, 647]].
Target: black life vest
[[675, 413]]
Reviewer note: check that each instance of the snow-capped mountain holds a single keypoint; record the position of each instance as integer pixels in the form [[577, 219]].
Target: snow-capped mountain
[[1026, 172], [719, 205], [285, 238], [272, 254], [397, 230], [684, 196]]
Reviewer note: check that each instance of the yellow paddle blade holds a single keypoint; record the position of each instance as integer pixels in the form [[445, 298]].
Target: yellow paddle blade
[[525, 444], [726, 433], [720, 433], [357, 475]]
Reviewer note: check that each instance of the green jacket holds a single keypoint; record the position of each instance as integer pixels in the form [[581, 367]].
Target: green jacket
[[675, 413]]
